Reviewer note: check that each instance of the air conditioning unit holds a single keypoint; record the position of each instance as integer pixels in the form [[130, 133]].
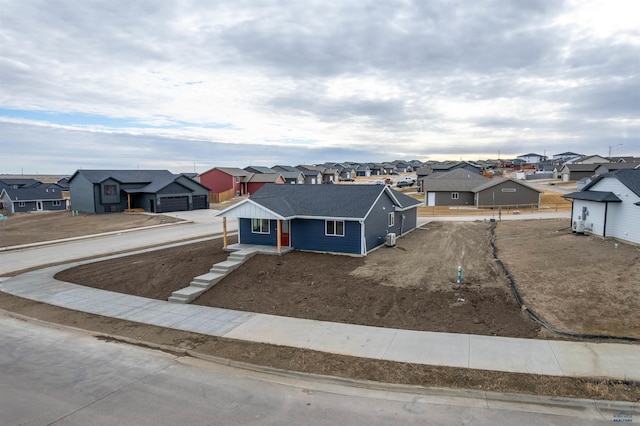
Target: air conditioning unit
[[390, 239], [578, 226]]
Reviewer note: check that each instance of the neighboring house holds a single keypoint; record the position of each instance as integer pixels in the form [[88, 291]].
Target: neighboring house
[[588, 159], [565, 156], [506, 192], [330, 175], [532, 158], [571, 172], [347, 172], [222, 179], [154, 191], [447, 167], [363, 170], [454, 188], [258, 180], [311, 177], [612, 167], [403, 166], [609, 206], [344, 219], [18, 183], [259, 169], [36, 199], [290, 174]]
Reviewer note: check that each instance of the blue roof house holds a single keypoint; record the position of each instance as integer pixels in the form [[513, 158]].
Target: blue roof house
[[342, 219]]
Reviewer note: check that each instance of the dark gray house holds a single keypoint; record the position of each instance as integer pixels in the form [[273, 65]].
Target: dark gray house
[[462, 188], [453, 188], [344, 219], [44, 197], [154, 191]]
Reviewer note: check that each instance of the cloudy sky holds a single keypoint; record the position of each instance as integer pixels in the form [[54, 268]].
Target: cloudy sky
[[190, 85]]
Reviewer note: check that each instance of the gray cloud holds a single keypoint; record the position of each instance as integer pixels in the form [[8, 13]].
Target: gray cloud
[[350, 78]]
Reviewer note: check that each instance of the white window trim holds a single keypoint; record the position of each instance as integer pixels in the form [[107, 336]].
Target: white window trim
[[335, 234], [392, 219], [455, 195], [56, 203], [262, 230]]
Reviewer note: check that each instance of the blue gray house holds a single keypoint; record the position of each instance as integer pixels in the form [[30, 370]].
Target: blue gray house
[[345, 219], [154, 191], [44, 197]]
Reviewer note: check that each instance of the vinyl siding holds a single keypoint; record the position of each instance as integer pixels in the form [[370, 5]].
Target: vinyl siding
[[622, 218], [82, 194], [523, 195], [309, 234]]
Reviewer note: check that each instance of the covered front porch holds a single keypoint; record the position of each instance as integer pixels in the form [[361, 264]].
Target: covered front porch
[[257, 227]]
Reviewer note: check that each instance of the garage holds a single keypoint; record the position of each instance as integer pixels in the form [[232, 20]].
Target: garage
[[200, 202], [173, 204]]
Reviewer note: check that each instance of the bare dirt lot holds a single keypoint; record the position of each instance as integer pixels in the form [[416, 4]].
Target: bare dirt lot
[[410, 286], [26, 228]]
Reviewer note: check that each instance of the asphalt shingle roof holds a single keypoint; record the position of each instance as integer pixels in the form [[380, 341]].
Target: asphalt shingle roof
[[599, 196], [339, 201], [629, 177]]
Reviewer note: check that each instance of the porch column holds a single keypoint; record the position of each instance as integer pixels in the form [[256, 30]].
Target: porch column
[[224, 232], [128, 201], [279, 235]]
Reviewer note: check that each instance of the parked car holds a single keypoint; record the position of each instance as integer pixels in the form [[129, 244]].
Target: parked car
[[388, 181], [404, 183], [347, 180]]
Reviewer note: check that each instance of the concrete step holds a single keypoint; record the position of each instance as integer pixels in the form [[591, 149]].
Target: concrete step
[[208, 280], [241, 256], [186, 295], [226, 266]]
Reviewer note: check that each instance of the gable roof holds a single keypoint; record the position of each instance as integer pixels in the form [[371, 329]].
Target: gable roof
[[264, 177], [40, 193], [599, 196], [122, 176], [497, 181], [259, 169], [629, 178], [351, 202], [150, 181], [233, 171]]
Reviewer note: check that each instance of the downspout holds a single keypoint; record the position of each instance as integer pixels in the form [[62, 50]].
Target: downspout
[[363, 248]]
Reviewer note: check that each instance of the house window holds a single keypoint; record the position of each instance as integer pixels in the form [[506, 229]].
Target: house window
[[334, 228], [110, 190], [237, 179], [392, 219], [260, 226], [455, 195], [55, 203], [21, 204], [508, 190]]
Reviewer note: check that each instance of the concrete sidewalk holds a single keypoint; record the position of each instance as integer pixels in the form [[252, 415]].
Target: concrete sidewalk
[[558, 358]]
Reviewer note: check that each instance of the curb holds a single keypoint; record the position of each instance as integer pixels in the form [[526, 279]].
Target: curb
[[598, 405]]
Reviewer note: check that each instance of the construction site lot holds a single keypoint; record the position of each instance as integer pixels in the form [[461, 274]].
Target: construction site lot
[[412, 285]]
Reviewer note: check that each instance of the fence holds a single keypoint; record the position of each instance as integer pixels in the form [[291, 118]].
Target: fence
[[222, 196], [492, 210]]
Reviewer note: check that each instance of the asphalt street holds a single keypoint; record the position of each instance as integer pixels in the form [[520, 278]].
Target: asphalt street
[[54, 377]]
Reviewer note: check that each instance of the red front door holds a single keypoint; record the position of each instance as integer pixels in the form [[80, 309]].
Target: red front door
[[285, 233]]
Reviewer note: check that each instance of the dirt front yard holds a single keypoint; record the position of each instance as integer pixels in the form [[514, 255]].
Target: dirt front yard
[[26, 228]]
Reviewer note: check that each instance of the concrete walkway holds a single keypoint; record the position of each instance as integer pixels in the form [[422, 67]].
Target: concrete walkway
[[547, 357]]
